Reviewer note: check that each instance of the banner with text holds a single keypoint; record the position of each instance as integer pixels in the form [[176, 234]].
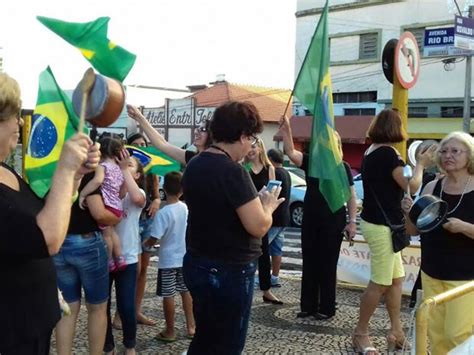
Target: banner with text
[[354, 264]]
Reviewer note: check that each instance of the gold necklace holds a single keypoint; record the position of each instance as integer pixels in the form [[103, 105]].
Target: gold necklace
[[462, 195]]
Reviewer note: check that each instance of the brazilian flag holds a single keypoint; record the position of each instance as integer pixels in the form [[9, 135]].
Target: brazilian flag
[[313, 90], [52, 123], [91, 39], [153, 161]]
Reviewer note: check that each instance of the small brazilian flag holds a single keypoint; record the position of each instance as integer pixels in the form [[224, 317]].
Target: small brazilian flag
[[91, 39], [52, 123], [154, 161]]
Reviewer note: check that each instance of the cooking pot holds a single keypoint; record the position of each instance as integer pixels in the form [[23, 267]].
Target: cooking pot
[[428, 212], [105, 101]]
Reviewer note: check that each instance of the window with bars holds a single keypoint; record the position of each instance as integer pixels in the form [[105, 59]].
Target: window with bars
[[359, 111], [418, 112], [368, 46], [451, 111], [351, 97], [419, 33]]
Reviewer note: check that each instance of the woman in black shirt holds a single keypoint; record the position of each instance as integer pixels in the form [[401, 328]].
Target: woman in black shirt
[[227, 219], [261, 171], [447, 251], [382, 175], [32, 231]]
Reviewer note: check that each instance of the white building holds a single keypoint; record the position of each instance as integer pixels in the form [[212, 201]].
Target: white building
[[359, 31]]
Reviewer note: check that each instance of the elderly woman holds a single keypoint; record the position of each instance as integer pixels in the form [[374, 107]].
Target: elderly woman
[[202, 139], [227, 220], [384, 185], [32, 231], [447, 251]]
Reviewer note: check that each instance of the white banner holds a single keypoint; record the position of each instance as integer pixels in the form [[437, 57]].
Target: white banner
[[354, 264]]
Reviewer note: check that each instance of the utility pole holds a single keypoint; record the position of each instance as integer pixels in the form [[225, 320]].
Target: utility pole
[[466, 122]]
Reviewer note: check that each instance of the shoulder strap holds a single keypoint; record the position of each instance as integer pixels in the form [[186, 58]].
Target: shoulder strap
[[380, 206], [437, 188]]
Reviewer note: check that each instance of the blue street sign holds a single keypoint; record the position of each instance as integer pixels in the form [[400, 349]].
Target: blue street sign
[[464, 32], [439, 42]]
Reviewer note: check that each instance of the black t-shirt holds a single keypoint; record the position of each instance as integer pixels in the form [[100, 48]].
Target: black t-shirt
[[215, 187], [259, 179], [446, 255], [82, 221], [315, 206], [377, 168], [28, 295], [281, 216], [188, 155]]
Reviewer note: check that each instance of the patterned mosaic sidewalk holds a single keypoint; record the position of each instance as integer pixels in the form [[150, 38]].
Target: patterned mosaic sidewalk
[[272, 330]]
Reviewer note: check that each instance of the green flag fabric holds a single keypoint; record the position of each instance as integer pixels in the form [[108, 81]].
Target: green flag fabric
[[154, 161], [52, 123], [313, 90], [91, 39]]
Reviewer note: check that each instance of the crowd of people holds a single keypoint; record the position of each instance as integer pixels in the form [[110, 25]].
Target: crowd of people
[[102, 217]]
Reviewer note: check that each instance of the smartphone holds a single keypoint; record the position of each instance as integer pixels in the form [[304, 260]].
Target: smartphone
[[273, 183]]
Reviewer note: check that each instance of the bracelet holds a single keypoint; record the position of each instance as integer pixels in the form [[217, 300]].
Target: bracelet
[[353, 221]]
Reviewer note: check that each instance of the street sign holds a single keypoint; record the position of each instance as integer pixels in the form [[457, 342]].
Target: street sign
[[407, 60], [439, 42], [464, 32], [388, 58]]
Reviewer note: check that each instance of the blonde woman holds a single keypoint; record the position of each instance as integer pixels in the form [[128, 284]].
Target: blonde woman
[[447, 251], [261, 171]]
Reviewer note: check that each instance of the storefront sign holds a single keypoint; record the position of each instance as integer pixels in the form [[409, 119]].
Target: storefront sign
[[203, 113], [180, 112], [156, 116]]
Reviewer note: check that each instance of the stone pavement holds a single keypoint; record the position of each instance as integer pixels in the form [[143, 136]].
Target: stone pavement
[[272, 330]]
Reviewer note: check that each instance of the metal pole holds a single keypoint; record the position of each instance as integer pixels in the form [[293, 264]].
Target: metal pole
[[466, 122]]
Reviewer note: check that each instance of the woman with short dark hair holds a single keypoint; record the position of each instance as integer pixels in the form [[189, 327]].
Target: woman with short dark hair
[[227, 219], [384, 185]]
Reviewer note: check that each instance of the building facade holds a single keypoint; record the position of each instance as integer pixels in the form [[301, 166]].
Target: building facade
[[358, 32]]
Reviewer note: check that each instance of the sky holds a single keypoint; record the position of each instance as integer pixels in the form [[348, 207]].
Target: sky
[[177, 42]]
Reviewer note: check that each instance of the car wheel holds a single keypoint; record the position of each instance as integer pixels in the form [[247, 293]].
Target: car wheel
[[296, 214]]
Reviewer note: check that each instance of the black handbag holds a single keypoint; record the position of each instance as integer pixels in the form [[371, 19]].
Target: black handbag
[[400, 237]]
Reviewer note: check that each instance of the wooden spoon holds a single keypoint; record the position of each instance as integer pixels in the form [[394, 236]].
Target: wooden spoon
[[86, 85]]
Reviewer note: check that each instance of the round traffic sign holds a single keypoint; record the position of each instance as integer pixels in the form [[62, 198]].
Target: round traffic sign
[[407, 60]]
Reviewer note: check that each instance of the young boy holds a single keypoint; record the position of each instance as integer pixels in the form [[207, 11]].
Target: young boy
[[169, 224]]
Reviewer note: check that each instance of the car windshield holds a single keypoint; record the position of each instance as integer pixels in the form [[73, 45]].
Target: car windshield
[[296, 180]]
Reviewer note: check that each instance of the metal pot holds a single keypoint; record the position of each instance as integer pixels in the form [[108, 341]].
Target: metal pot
[[105, 103], [428, 212]]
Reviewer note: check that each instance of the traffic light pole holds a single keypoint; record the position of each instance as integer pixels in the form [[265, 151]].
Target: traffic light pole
[[466, 121]]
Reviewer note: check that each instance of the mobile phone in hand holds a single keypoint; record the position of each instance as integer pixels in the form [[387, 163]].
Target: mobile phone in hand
[[273, 183]]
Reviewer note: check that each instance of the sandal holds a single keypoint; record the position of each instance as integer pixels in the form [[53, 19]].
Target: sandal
[[400, 343], [144, 320], [361, 347], [162, 337]]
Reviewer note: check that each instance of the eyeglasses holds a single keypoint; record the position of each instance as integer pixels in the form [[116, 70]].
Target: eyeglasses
[[253, 140], [454, 152], [201, 129]]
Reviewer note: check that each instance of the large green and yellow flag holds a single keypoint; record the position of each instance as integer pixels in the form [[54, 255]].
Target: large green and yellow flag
[[91, 39], [313, 90], [153, 161], [52, 123]]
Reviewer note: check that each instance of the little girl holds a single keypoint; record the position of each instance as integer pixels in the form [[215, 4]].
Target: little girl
[[109, 178]]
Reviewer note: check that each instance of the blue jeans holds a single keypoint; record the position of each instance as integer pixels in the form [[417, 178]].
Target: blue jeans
[[82, 263], [125, 286], [222, 298]]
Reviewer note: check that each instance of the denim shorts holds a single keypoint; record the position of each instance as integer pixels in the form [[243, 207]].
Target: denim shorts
[[276, 237], [145, 232], [82, 263]]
